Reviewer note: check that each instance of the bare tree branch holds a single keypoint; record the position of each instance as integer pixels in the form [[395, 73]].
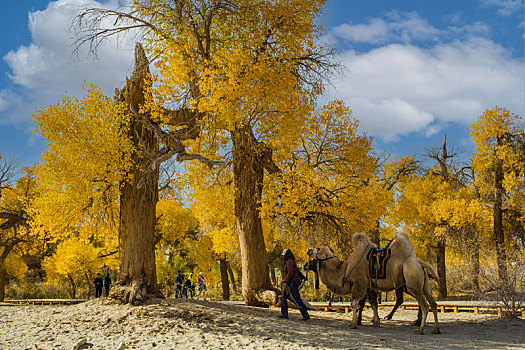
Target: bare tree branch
[[7, 172], [13, 219]]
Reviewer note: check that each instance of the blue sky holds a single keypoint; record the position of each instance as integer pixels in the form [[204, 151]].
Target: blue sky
[[414, 70]]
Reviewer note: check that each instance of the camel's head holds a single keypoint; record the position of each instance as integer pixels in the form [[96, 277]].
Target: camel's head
[[318, 254]]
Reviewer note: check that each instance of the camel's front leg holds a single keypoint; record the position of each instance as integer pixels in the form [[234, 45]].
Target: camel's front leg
[[355, 303], [433, 306], [424, 309]]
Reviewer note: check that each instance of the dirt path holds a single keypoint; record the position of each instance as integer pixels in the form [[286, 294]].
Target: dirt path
[[188, 324]]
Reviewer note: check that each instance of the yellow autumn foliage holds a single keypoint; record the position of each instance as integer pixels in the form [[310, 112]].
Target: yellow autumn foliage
[[15, 266], [75, 264], [86, 158], [176, 223], [426, 203], [329, 177], [17, 200], [498, 137]]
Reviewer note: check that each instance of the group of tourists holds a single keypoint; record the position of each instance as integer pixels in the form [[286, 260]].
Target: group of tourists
[[185, 287], [99, 283]]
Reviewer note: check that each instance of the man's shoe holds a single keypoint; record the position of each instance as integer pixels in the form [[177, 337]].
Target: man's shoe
[[281, 316], [305, 318]]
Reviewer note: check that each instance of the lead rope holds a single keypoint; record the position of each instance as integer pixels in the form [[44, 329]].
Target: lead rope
[[377, 266]]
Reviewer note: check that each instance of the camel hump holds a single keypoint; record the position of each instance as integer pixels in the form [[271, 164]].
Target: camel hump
[[402, 245], [359, 238], [403, 235]]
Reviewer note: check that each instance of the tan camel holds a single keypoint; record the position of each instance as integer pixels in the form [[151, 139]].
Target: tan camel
[[352, 276], [332, 273]]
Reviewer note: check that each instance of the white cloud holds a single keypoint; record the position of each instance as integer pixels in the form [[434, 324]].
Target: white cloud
[[13, 103], [398, 89], [389, 118], [403, 27], [48, 67], [467, 31], [505, 7], [375, 31]]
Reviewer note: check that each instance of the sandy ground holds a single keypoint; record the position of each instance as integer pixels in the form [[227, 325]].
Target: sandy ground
[[189, 324]]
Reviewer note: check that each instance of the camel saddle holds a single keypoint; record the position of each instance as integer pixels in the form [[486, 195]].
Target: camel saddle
[[377, 259]]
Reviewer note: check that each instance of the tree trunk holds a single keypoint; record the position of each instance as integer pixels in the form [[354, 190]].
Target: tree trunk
[[273, 277], [239, 279], [3, 280], [441, 266], [137, 276], [137, 229], [72, 284], [475, 265], [224, 279], [90, 285], [248, 177], [232, 278], [499, 237], [375, 235], [3, 273]]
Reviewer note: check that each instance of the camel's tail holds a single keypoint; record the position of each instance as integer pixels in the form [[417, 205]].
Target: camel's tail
[[310, 306], [428, 268]]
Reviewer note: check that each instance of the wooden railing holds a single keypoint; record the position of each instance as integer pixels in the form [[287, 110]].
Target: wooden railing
[[460, 306], [42, 301]]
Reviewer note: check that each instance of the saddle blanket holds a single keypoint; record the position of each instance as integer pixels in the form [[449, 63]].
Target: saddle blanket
[[377, 259]]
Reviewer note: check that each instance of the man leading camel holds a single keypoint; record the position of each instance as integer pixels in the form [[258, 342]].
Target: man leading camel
[[292, 278]]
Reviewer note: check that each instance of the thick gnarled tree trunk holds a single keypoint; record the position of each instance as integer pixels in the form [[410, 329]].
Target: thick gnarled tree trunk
[[248, 171], [137, 269], [137, 277]]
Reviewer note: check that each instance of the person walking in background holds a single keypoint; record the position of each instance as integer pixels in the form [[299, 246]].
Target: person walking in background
[[292, 278], [178, 284], [107, 283], [184, 288], [189, 287], [201, 289], [98, 285]]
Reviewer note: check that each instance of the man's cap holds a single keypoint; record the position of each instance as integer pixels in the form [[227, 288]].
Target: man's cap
[[284, 252]]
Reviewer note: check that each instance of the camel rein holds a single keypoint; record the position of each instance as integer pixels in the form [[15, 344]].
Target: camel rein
[[361, 258], [319, 261]]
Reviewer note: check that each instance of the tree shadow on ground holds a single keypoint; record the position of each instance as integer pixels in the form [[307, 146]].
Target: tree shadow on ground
[[330, 330]]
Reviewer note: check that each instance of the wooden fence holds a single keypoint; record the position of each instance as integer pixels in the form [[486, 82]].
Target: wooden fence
[[472, 307], [42, 301]]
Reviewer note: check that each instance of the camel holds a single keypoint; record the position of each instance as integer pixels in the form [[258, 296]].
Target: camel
[[309, 266], [352, 277]]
